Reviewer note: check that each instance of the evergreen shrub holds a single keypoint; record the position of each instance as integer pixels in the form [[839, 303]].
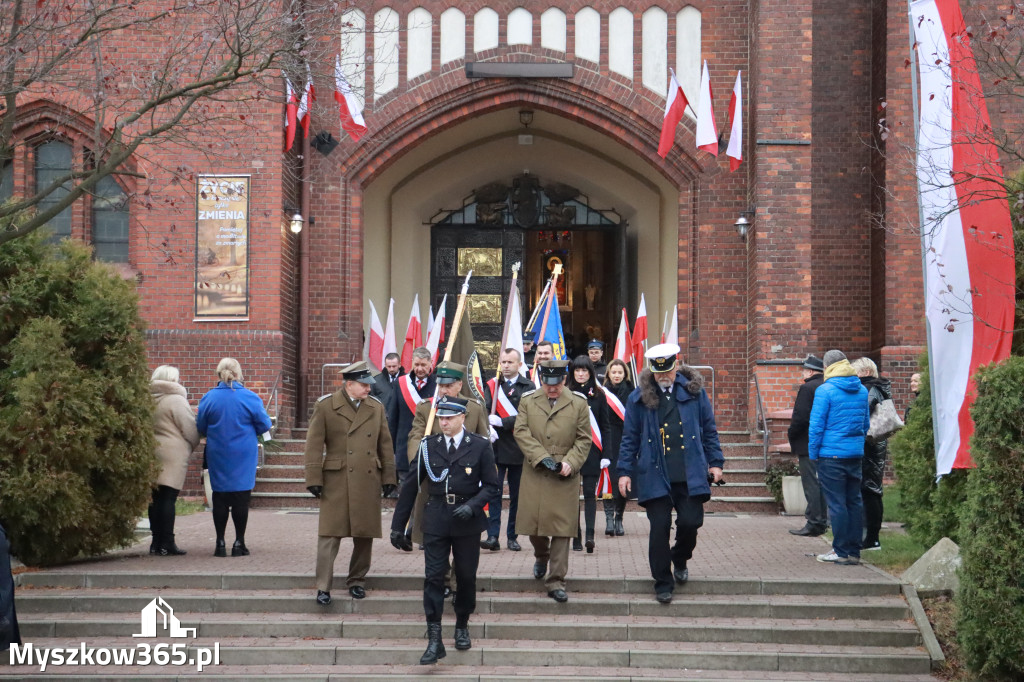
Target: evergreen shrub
[[990, 603], [76, 438]]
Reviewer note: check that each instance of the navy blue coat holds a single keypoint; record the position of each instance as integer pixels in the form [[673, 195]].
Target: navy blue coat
[[232, 418], [641, 456]]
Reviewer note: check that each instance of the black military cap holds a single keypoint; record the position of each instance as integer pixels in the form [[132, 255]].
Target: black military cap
[[553, 371], [450, 407], [595, 343]]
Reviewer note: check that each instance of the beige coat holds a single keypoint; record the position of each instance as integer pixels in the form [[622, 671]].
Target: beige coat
[[476, 421], [359, 459], [549, 505], [174, 425]]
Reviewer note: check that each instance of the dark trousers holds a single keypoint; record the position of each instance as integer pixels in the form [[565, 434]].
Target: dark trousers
[[465, 553], [237, 503], [514, 473], [9, 633], [873, 511], [161, 515], [816, 514], [590, 503], [689, 518], [840, 479]]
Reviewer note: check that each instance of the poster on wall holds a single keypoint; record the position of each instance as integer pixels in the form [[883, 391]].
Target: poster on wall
[[222, 247]]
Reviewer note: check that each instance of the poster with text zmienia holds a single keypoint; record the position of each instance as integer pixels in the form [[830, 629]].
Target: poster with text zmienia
[[222, 247]]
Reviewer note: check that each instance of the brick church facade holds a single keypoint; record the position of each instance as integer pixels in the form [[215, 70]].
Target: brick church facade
[[831, 260]]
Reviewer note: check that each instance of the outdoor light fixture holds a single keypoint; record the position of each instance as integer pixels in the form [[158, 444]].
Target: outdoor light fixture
[[295, 222], [742, 224], [526, 117]]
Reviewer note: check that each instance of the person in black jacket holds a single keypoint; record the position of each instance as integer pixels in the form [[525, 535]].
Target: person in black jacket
[[419, 384], [616, 383], [816, 514], [507, 455], [456, 470], [875, 452], [583, 381]]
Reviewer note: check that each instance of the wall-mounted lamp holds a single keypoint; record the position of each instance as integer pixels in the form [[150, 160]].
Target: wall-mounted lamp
[[743, 224], [525, 117], [295, 219]]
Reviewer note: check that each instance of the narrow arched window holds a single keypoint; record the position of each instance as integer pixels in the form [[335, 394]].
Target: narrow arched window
[[53, 161], [6, 182], [110, 222]]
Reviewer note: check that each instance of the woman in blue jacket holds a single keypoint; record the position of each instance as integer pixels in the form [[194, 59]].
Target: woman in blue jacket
[[231, 417], [839, 423]]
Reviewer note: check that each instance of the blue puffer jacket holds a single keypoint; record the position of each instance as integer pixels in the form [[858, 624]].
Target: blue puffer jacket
[[839, 417], [231, 418], [641, 456]]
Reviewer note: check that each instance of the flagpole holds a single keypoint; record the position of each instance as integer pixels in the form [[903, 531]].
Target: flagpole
[[504, 338], [448, 348], [547, 305], [536, 311]]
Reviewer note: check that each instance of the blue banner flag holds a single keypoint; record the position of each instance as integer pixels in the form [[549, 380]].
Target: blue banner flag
[[553, 329]]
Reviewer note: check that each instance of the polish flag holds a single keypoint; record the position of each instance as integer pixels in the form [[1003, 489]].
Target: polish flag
[[675, 106], [374, 340], [390, 345], [623, 346], [640, 331], [308, 95], [291, 111], [664, 326], [967, 237], [707, 131], [673, 326], [515, 332], [348, 106], [735, 150], [413, 334], [436, 332]]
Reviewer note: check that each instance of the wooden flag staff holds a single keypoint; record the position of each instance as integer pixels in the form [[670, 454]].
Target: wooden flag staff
[[547, 308], [448, 348]]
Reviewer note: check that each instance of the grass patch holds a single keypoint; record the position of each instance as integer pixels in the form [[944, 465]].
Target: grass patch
[[898, 552], [892, 513], [184, 506], [941, 613]]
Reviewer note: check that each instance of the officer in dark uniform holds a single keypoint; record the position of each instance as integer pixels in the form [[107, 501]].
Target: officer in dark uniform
[[456, 470], [595, 351]]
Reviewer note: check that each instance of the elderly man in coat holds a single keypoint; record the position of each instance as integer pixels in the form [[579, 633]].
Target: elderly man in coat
[[553, 431], [668, 455], [349, 477]]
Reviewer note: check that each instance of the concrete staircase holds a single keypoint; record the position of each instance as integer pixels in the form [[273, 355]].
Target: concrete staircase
[[267, 626], [280, 484]]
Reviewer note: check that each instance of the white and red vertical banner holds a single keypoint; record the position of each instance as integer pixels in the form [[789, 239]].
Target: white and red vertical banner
[[623, 343], [515, 331], [291, 114], [436, 331], [349, 109], [673, 325], [735, 149], [707, 131], [640, 332], [413, 334], [390, 343], [305, 102], [374, 348], [966, 235], [675, 107]]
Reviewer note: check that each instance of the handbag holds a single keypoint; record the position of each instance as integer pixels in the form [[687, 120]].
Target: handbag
[[885, 421]]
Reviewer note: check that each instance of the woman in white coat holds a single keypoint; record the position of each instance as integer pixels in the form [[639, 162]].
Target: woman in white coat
[[174, 425]]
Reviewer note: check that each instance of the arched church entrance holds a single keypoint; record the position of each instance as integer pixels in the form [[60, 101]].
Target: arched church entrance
[[537, 223]]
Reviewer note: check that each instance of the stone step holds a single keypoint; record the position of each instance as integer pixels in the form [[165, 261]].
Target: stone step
[[497, 584], [736, 489], [741, 505], [410, 602], [583, 659]]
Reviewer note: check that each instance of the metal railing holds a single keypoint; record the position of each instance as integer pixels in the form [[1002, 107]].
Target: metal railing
[[323, 368], [274, 400], [762, 419], [709, 367]]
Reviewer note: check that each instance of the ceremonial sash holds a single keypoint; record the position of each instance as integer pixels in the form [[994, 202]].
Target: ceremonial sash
[[615, 404], [595, 430], [604, 486], [505, 407], [411, 396]]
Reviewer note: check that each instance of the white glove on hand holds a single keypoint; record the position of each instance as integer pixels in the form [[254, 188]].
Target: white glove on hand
[[494, 419], [605, 463], [494, 435]]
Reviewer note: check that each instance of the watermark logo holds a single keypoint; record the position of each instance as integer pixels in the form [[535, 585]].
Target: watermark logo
[[159, 612]]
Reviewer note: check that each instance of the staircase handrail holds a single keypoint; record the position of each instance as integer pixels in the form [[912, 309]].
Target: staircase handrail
[[709, 367], [762, 419]]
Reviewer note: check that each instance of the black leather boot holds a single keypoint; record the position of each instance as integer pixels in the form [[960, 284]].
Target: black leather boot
[[220, 549], [609, 521], [169, 548], [619, 530], [435, 647], [590, 542], [462, 640], [239, 548], [577, 542]]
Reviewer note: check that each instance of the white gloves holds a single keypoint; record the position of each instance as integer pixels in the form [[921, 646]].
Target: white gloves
[[494, 419], [605, 463], [494, 435]]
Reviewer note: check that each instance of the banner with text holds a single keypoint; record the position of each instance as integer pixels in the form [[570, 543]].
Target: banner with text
[[222, 247]]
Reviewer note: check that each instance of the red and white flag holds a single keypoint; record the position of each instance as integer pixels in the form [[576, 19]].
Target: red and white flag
[[308, 96], [707, 131], [967, 236], [436, 332], [390, 344], [672, 336], [623, 344], [291, 112], [515, 332], [374, 340], [640, 332], [348, 105], [413, 334], [675, 106], [735, 149], [664, 327]]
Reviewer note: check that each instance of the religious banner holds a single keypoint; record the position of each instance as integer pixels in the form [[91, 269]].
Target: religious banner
[[222, 247]]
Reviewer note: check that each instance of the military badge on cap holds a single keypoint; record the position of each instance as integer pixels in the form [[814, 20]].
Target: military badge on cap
[[357, 371], [451, 407], [663, 357], [553, 371], [449, 372], [595, 343]]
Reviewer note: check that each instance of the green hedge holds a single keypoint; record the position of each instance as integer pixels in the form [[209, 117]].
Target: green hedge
[[76, 441], [990, 603]]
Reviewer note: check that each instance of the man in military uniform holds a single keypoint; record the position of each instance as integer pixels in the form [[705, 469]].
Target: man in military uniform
[[456, 471], [595, 351], [553, 431], [349, 477], [507, 454], [410, 391], [668, 456]]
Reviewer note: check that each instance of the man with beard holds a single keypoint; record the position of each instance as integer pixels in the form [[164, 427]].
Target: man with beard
[[668, 455]]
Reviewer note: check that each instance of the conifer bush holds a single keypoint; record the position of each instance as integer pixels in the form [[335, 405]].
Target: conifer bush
[[76, 440], [990, 603]]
